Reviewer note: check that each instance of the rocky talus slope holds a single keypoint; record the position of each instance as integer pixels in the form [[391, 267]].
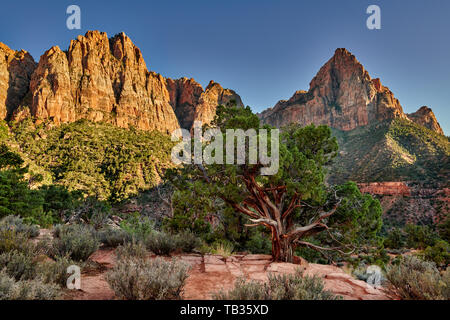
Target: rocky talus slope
[[102, 79]]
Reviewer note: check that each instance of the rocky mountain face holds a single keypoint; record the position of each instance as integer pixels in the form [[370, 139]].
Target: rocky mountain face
[[191, 103], [343, 96], [410, 202], [425, 117], [102, 79], [16, 68]]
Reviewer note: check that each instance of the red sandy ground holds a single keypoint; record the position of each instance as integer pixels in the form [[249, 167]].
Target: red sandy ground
[[212, 273]]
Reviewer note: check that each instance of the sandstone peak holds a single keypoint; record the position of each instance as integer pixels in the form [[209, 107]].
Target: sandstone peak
[[16, 68], [102, 79], [341, 95], [425, 117]]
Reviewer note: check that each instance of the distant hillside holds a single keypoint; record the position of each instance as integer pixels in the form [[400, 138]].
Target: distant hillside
[[393, 150]]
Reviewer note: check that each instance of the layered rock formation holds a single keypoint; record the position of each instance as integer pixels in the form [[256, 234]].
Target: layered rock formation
[[342, 95], [191, 103], [425, 117], [106, 80], [16, 68], [385, 188]]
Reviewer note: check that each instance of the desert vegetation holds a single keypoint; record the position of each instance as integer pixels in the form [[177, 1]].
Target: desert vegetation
[[81, 179]]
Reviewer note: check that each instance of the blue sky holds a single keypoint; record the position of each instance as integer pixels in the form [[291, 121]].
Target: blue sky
[[265, 50]]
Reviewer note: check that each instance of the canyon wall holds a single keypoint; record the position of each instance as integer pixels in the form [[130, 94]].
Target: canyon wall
[[102, 79]]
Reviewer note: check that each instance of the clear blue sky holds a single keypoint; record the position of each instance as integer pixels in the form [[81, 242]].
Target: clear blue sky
[[265, 50]]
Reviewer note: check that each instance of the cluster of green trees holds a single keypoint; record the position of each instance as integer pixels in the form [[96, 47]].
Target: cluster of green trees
[[433, 241], [100, 160], [43, 206]]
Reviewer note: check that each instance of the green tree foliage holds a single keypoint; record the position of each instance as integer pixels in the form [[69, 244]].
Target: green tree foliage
[[16, 198], [419, 237], [292, 204], [100, 160]]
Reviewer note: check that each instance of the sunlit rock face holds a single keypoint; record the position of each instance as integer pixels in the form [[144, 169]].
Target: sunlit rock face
[[341, 95], [102, 79], [16, 68], [425, 117]]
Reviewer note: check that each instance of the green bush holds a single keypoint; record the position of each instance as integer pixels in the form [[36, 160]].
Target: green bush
[[279, 287], [140, 279], [419, 237], [17, 224], [11, 240], [415, 279], [113, 237], [10, 289], [130, 250], [395, 239], [55, 271], [137, 226], [18, 265], [187, 241], [258, 243], [161, 243], [439, 253], [76, 241]]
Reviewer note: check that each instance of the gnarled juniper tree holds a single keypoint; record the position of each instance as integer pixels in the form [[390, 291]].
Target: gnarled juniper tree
[[294, 204]]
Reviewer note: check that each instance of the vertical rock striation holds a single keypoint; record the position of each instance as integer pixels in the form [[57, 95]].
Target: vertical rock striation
[[16, 68], [102, 79], [342, 95]]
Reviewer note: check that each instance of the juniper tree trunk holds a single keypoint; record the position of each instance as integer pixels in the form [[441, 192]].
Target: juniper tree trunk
[[282, 250]]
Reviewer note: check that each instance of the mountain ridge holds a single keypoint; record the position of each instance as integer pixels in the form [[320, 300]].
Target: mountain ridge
[[104, 79], [343, 96]]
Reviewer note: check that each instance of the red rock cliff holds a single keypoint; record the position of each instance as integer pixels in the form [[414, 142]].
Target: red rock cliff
[[342, 95], [16, 68], [102, 79]]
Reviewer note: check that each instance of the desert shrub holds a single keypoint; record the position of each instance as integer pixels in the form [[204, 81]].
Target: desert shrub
[[245, 290], [113, 237], [130, 250], [187, 241], [161, 243], [18, 265], [55, 271], [439, 253], [10, 289], [140, 279], [138, 227], [279, 287], [419, 237], [395, 239], [76, 241], [222, 248], [17, 224], [415, 279], [11, 240]]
